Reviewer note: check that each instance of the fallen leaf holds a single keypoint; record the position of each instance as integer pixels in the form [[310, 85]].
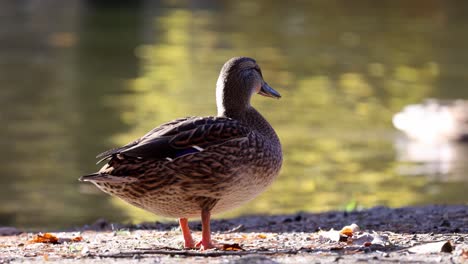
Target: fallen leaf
[[367, 239], [262, 236], [465, 254], [349, 230], [46, 257], [436, 247], [45, 238], [50, 238], [232, 247], [362, 239], [332, 235], [77, 239], [379, 239]]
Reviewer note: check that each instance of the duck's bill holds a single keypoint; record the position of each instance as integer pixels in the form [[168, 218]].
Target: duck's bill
[[267, 91]]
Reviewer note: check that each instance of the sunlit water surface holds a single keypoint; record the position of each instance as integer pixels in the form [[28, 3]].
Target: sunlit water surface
[[80, 77]]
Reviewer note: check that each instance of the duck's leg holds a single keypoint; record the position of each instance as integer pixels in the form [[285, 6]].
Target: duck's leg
[[205, 242], [188, 241]]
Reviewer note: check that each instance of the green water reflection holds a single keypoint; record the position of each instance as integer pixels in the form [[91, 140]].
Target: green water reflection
[[104, 76]]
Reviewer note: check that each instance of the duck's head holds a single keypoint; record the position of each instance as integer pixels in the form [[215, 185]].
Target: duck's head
[[239, 79]]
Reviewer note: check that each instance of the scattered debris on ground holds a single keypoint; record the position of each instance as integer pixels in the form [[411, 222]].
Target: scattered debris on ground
[[52, 239], [414, 234]]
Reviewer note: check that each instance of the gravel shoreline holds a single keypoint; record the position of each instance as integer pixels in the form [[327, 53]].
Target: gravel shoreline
[[296, 238]]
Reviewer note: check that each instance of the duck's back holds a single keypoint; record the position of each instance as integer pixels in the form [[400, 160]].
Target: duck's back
[[191, 163]]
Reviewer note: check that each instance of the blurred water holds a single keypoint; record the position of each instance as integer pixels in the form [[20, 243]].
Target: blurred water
[[80, 77]]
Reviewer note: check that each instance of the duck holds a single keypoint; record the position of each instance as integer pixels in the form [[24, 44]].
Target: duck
[[434, 121], [194, 167]]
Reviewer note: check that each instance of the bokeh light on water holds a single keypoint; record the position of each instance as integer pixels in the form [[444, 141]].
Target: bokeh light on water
[[84, 76]]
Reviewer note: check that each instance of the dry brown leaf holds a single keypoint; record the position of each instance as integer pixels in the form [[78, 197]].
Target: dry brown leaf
[[77, 239], [232, 247], [349, 230], [52, 239], [45, 238], [262, 236], [346, 232]]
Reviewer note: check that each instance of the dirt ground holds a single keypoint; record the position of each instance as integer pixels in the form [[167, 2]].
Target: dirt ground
[[430, 234]]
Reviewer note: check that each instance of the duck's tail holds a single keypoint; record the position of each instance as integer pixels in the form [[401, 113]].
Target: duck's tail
[[102, 177]]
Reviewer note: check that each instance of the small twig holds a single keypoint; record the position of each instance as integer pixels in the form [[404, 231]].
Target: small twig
[[235, 229], [130, 254], [158, 248]]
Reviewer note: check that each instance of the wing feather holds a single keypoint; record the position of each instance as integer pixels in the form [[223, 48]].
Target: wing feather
[[182, 136], [107, 154]]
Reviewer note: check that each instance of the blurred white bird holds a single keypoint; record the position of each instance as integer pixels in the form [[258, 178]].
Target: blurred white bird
[[434, 121]]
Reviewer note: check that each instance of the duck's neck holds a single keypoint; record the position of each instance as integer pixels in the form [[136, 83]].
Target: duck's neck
[[252, 118]]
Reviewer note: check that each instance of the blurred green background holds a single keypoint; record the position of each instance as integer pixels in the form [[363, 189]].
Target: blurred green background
[[79, 77]]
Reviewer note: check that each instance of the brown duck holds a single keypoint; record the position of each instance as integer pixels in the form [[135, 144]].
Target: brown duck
[[200, 165]]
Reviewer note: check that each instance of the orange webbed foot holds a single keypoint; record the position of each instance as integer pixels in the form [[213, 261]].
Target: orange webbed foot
[[205, 245]]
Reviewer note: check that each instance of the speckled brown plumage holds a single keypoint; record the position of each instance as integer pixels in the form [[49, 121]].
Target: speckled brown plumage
[[196, 165]]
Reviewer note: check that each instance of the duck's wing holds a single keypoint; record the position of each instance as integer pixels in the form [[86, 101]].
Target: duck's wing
[[153, 132], [180, 137]]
